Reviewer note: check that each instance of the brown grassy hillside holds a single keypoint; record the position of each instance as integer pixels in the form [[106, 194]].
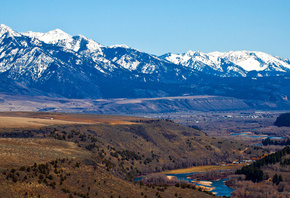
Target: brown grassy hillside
[[99, 155]]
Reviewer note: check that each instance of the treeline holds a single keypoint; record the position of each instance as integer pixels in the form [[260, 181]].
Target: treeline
[[277, 179], [273, 158], [253, 171], [283, 120], [285, 162], [268, 141]]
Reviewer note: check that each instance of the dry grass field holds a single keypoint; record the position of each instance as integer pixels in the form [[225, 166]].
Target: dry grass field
[[20, 122], [37, 119], [26, 151], [203, 169]]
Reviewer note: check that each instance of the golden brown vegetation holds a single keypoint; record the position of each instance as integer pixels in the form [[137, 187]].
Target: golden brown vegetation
[[100, 155], [204, 168]]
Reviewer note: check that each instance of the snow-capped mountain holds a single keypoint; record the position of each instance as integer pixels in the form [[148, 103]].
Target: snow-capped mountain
[[50, 37], [233, 63], [140, 63], [224, 64], [51, 67], [78, 67]]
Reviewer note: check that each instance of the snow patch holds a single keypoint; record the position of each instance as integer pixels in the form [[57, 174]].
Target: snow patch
[[74, 43], [128, 62], [251, 64]]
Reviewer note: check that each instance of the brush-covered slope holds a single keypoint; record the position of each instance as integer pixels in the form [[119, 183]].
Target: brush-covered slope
[[136, 145], [59, 155]]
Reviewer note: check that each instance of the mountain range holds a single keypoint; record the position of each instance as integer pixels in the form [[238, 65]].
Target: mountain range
[[57, 64]]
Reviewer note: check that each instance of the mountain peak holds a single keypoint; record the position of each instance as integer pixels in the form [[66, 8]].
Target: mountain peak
[[56, 31], [2, 26], [239, 62], [80, 43], [52, 36], [190, 52], [193, 53], [5, 29]]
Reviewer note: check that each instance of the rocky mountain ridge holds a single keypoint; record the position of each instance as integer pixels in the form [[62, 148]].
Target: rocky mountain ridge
[[225, 64], [58, 64]]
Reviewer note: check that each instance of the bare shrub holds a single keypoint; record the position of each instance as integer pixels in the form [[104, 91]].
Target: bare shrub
[[159, 179], [234, 179], [253, 190]]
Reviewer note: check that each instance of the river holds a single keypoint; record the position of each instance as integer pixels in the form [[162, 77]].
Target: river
[[220, 189], [249, 134]]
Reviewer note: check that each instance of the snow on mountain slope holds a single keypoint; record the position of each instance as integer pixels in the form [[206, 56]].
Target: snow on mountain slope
[[135, 60], [21, 56], [80, 44], [7, 30], [253, 60], [57, 45], [30, 64], [227, 63], [78, 67], [196, 60], [52, 36], [62, 39], [26, 58]]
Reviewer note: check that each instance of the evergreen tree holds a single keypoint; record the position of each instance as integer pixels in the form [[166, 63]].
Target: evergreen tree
[[275, 179], [280, 179]]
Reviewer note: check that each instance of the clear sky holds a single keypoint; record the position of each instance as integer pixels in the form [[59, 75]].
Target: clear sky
[[161, 26]]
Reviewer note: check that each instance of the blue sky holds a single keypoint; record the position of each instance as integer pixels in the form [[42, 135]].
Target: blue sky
[[161, 26]]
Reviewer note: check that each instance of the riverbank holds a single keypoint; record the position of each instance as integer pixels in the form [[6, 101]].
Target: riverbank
[[203, 168], [216, 186]]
